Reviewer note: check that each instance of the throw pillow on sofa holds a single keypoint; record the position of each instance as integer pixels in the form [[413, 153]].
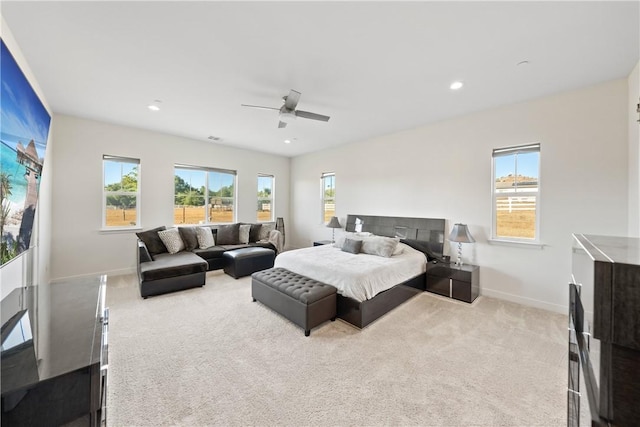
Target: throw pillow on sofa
[[243, 235], [205, 237], [266, 229], [151, 239], [228, 234], [254, 233], [189, 237], [172, 240]]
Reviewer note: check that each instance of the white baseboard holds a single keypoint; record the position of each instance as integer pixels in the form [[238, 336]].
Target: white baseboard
[[556, 308]]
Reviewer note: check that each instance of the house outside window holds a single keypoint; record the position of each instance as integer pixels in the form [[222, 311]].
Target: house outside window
[[328, 185], [204, 195], [516, 193], [120, 192], [265, 209]]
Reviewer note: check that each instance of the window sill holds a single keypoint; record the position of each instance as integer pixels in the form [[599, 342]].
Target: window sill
[[119, 230], [530, 245]]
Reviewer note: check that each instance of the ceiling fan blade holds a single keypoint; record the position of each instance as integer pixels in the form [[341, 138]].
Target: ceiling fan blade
[[282, 124], [259, 106], [312, 116], [292, 99]]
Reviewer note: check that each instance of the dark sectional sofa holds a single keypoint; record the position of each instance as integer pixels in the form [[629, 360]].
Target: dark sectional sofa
[[160, 272]]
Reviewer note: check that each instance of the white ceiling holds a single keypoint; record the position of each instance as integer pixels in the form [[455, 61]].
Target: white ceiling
[[374, 67]]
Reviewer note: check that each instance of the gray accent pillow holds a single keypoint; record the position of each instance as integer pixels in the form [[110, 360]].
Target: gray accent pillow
[[254, 233], [243, 234], [204, 235], [267, 227], [379, 245], [172, 240], [151, 239], [228, 234], [352, 245], [189, 238]]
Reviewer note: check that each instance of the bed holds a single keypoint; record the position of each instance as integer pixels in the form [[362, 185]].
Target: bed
[[370, 286]]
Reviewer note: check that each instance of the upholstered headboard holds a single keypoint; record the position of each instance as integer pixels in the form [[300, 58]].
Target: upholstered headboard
[[424, 229]]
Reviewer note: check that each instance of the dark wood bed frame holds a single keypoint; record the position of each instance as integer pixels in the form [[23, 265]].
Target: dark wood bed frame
[[425, 234]]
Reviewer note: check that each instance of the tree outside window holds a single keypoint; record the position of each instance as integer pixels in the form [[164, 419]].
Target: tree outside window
[[203, 195]]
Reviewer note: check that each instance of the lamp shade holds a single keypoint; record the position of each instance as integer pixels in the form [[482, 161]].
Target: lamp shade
[[334, 223], [460, 234]]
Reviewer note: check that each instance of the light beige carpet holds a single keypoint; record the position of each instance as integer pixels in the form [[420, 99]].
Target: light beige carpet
[[211, 356]]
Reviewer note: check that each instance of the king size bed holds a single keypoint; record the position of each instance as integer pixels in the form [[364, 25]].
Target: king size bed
[[369, 285]]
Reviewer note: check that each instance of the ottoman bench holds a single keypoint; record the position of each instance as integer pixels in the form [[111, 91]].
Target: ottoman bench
[[242, 262], [304, 301]]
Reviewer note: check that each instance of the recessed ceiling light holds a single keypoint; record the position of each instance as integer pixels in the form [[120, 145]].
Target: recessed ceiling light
[[287, 141], [155, 105], [456, 85]]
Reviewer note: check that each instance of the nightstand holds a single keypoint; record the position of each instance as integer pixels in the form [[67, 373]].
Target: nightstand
[[322, 242], [449, 280]]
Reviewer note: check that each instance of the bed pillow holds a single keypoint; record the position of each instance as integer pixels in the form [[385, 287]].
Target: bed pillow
[[189, 237], [350, 235], [205, 237], [352, 246], [243, 234], [379, 245], [228, 234], [399, 250], [172, 240], [151, 239]]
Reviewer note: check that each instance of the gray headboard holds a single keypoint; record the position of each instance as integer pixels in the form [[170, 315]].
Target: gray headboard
[[425, 229]]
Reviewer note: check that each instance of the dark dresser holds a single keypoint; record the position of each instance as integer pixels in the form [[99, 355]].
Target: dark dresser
[[54, 354], [604, 332]]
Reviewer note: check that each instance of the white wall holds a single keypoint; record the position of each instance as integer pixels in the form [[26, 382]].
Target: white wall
[[443, 170], [634, 152], [79, 247], [32, 266]]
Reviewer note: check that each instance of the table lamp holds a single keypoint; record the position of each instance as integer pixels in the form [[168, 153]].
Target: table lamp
[[460, 234], [333, 223]]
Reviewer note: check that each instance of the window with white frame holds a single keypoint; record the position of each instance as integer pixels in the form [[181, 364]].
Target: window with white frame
[[265, 198], [204, 195], [328, 185], [516, 193], [120, 192]]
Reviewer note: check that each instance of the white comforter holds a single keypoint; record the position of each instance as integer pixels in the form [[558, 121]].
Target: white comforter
[[360, 276]]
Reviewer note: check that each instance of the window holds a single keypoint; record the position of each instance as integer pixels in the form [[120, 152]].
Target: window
[[204, 195], [265, 198], [121, 192], [328, 182], [516, 195]]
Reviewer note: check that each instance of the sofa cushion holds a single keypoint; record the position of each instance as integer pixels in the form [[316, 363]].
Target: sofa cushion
[[228, 234], [210, 253], [171, 265], [189, 238], [267, 227], [151, 239], [172, 240]]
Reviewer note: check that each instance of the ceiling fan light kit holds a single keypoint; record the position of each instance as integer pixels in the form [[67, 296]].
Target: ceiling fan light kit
[[288, 111]]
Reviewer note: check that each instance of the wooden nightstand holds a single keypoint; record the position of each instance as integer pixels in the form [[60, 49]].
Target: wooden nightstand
[[449, 280], [322, 242]]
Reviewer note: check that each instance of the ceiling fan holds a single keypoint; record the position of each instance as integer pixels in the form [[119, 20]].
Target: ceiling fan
[[288, 110]]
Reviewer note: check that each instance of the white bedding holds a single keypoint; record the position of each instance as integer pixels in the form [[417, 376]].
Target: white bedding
[[360, 276]]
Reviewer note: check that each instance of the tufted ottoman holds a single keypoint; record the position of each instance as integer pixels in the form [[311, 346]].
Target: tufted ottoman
[[304, 301], [242, 262]]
